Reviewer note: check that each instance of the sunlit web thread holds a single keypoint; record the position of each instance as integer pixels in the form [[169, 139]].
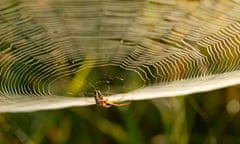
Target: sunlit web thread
[[142, 61]]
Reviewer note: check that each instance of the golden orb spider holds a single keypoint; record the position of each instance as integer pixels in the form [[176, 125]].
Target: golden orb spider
[[104, 102]]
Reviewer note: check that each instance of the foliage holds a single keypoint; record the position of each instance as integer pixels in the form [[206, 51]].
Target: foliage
[[200, 118]]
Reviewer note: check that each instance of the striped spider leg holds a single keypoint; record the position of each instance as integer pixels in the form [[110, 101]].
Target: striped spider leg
[[104, 102]]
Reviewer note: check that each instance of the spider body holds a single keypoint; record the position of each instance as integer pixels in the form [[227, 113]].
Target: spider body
[[100, 99], [104, 102]]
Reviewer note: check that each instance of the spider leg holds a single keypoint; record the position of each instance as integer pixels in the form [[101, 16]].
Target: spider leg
[[105, 103], [118, 104]]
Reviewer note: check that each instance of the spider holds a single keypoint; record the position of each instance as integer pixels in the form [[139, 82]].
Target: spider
[[104, 102]]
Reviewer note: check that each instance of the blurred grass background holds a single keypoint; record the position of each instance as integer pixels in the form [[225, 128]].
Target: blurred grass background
[[206, 118]]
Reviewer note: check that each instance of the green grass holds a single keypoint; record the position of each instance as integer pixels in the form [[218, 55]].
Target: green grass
[[198, 119]]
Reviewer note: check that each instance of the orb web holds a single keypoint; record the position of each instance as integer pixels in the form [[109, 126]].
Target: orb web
[[56, 48]]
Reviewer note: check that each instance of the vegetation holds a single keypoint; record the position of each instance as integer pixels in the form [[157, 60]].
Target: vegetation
[[207, 118]]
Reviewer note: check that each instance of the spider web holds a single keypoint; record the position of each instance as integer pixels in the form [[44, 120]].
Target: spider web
[[53, 52]]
